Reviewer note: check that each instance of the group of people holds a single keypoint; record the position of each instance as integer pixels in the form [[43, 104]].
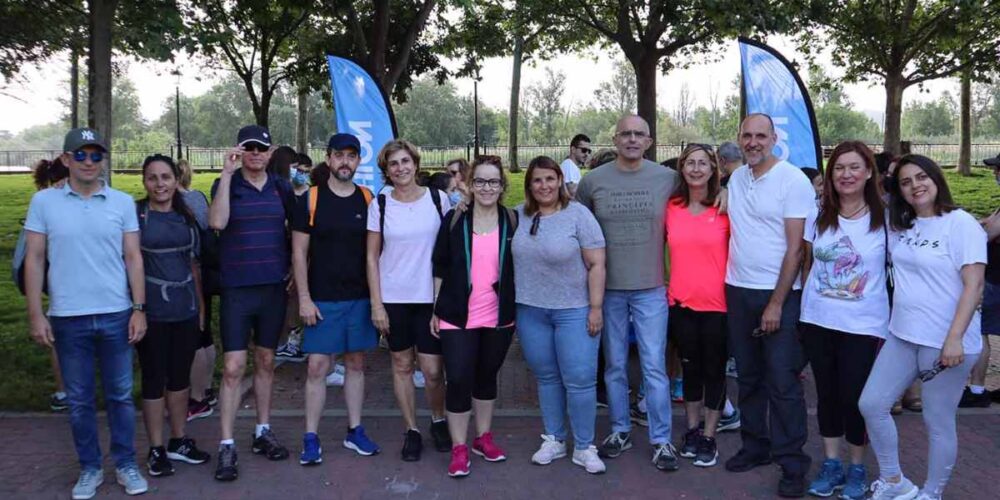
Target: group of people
[[874, 289]]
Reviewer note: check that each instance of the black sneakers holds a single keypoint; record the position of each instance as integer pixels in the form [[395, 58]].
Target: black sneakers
[[973, 400], [157, 462], [665, 457], [267, 444], [744, 461], [412, 446], [441, 436], [707, 454], [791, 485], [184, 449], [227, 469], [614, 445], [689, 449]]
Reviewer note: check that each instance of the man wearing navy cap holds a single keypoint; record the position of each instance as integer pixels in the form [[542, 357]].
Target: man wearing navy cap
[[328, 256], [90, 235], [250, 208]]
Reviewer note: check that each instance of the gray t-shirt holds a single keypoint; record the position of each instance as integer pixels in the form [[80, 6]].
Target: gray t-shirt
[[548, 267], [629, 206], [198, 204]]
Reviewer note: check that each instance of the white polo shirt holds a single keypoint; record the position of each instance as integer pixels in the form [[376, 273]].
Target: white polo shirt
[[757, 212]]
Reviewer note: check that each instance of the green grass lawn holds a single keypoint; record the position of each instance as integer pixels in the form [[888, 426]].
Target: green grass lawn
[[27, 381]]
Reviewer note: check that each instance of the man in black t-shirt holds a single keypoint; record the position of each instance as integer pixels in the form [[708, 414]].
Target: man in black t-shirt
[[976, 395], [328, 258]]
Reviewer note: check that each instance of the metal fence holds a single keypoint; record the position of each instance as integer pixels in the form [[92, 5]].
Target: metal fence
[[436, 156]]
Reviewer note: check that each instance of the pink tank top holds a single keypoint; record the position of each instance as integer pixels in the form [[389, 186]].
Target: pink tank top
[[484, 304]]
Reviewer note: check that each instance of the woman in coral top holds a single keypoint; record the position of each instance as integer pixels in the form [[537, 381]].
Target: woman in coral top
[[698, 240]]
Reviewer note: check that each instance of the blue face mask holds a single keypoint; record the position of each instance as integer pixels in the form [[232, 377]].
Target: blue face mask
[[455, 197], [298, 177]]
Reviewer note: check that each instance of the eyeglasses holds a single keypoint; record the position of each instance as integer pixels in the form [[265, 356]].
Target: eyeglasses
[[260, 148], [629, 134], [535, 221], [480, 183], [927, 375], [95, 157]]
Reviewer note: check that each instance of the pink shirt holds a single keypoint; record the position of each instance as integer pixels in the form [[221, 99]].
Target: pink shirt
[[699, 249], [484, 303]]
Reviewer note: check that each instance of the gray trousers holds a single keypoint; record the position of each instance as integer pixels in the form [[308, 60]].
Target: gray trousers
[[897, 366]]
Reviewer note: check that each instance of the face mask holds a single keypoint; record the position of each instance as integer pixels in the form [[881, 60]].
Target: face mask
[[298, 178], [454, 197]]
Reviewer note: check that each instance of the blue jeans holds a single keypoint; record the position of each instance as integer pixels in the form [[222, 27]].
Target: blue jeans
[[79, 339], [648, 309], [563, 357]]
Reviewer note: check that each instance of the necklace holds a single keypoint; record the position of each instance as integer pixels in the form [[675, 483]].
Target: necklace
[[856, 212]]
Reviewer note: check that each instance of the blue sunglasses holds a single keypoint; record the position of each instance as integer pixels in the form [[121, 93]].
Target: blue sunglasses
[[95, 157]]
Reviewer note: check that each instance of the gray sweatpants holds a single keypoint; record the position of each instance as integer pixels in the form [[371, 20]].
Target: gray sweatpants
[[896, 367]]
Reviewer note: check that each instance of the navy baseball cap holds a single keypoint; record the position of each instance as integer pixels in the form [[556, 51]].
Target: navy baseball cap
[[254, 133], [77, 138], [343, 141]]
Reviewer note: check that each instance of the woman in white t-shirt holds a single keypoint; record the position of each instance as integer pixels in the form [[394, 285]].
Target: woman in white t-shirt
[[845, 308], [402, 228], [939, 257]]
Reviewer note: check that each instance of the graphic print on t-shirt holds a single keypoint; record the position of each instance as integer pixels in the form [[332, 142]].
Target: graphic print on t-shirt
[[841, 271], [630, 211]]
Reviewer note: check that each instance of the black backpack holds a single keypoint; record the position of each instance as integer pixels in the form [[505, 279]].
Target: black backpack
[[435, 197]]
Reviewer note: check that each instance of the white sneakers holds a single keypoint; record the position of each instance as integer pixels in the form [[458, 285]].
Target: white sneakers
[[589, 460], [549, 451], [86, 486], [884, 490]]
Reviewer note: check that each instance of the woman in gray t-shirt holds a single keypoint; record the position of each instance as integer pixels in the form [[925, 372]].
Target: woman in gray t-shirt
[[559, 281]]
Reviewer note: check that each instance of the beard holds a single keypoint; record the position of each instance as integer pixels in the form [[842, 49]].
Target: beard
[[343, 174]]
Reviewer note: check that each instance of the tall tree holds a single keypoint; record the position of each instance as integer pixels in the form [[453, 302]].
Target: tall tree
[[545, 102], [618, 93], [903, 43], [657, 35]]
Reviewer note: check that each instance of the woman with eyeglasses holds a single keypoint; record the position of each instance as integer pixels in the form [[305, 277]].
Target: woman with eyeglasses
[[459, 170], [698, 241], [174, 311], [559, 278], [938, 261], [845, 309], [474, 309]]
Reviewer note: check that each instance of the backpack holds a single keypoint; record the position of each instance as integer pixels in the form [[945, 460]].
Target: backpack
[[313, 195], [17, 263], [435, 197]]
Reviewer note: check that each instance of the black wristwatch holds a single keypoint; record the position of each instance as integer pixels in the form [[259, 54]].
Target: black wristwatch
[[139, 307]]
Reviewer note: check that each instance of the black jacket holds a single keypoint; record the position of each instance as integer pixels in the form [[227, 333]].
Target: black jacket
[[452, 264]]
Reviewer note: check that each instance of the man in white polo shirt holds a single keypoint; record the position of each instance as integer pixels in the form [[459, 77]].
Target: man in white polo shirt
[[769, 200], [88, 234]]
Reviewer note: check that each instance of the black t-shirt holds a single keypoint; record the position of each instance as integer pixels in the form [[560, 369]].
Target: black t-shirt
[[993, 262], [336, 244]]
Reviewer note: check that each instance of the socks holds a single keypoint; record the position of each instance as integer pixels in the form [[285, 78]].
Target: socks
[[728, 410], [436, 420], [260, 429], [226, 442], [977, 389]]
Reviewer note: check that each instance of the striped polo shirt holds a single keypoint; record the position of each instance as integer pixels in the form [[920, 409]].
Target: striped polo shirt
[[253, 249]]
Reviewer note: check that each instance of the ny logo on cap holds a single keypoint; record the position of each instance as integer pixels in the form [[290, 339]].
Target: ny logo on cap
[[87, 135]]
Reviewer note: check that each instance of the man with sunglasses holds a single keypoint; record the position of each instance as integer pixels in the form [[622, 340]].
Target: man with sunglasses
[[628, 198], [579, 152], [250, 208], [87, 234]]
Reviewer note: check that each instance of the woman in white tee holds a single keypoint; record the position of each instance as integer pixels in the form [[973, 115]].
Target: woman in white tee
[[939, 257], [845, 309]]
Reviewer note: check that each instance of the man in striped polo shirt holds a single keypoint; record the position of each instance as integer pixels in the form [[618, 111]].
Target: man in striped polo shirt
[[250, 207]]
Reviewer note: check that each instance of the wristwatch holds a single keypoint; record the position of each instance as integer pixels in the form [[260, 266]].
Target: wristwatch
[[139, 307]]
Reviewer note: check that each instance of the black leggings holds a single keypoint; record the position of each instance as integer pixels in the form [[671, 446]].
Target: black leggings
[[701, 341], [840, 363], [472, 360], [165, 356]]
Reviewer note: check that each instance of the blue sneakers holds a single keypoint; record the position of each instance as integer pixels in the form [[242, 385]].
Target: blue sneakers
[[358, 441], [312, 452], [829, 479], [857, 483]]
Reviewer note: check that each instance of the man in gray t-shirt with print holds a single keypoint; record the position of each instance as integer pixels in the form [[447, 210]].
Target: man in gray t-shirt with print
[[628, 197]]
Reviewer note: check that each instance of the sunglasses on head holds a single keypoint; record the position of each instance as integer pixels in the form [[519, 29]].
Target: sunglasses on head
[[254, 146], [95, 156]]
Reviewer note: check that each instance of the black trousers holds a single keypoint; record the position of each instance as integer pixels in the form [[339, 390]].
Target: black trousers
[[165, 355], [772, 401], [840, 363], [701, 340], [472, 360]]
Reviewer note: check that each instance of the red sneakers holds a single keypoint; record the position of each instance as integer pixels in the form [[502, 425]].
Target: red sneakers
[[459, 466], [486, 448]]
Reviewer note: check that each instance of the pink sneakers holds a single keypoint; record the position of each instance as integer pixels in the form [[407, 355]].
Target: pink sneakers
[[486, 448], [459, 466]]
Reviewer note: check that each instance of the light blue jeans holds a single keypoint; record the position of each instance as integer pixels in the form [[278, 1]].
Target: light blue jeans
[[563, 357], [85, 343], [648, 309]]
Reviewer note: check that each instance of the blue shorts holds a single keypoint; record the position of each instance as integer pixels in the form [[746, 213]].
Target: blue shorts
[[346, 327], [991, 309]]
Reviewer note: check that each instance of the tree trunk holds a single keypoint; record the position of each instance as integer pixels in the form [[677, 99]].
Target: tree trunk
[[645, 78], [102, 16], [74, 86], [965, 139], [302, 121], [515, 104], [894, 88], [262, 112]]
